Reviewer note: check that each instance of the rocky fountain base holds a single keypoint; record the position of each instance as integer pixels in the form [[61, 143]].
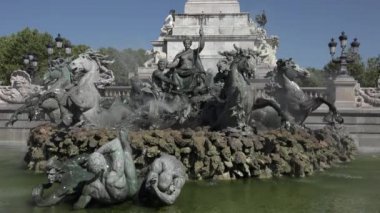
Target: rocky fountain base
[[205, 154]]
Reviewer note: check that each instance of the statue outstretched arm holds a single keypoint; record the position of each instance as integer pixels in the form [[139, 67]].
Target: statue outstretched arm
[[115, 151], [129, 165], [130, 174], [201, 41]]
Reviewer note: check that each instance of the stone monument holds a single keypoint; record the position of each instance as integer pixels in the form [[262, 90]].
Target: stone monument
[[212, 6], [224, 25], [345, 91]]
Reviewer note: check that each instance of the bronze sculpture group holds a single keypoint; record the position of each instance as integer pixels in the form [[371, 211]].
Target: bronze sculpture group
[[108, 176], [181, 94]]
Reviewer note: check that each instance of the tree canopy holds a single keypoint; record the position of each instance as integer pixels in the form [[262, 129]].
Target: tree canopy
[[126, 62], [366, 73], [14, 47]]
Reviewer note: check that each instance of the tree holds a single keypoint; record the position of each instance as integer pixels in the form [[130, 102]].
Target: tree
[[317, 78], [15, 46], [371, 75], [126, 62], [365, 73], [356, 68]]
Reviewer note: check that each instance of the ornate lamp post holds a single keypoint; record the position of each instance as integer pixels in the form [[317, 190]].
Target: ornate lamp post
[[31, 64], [344, 84], [68, 49], [59, 45], [343, 60], [59, 41], [50, 52]]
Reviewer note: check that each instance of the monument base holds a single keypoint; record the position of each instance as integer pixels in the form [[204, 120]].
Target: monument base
[[212, 6], [345, 91]]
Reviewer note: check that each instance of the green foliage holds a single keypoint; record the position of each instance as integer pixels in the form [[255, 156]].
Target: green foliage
[[126, 62], [372, 72], [15, 46], [317, 78], [365, 73]]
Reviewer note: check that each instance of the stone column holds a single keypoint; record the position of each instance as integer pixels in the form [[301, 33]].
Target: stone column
[[212, 6], [345, 91]]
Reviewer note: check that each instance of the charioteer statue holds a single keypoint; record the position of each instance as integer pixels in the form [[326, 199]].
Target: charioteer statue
[[186, 69]]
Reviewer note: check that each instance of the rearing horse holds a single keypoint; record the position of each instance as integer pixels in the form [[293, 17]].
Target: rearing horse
[[290, 96], [237, 94], [83, 98]]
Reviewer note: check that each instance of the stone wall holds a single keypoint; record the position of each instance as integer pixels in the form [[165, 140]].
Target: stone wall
[[205, 154], [19, 132], [362, 123]]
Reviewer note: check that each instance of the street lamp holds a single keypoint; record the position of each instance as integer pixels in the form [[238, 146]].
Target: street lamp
[[355, 46], [59, 45], [31, 64], [343, 60], [59, 41], [26, 60], [34, 62], [68, 48], [50, 49]]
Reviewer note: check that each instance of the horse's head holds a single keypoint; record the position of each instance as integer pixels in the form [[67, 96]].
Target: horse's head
[[291, 70], [81, 66], [246, 62], [94, 65]]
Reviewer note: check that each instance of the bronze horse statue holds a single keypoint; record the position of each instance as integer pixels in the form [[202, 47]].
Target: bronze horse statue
[[56, 80], [237, 100], [78, 102], [291, 98]]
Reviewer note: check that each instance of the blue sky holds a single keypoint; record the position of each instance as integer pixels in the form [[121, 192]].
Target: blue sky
[[304, 26]]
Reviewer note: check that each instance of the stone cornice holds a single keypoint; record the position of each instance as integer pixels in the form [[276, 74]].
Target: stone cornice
[[215, 38]]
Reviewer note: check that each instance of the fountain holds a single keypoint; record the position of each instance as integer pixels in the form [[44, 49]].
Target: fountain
[[146, 147], [186, 124]]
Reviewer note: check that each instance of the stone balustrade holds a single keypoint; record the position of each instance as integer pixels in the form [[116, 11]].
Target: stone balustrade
[[115, 91], [122, 91], [367, 97], [315, 92], [312, 92]]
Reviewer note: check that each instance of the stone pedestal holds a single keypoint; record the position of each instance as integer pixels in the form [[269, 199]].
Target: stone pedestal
[[212, 6], [345, 91], [223, 25], [221, 32]]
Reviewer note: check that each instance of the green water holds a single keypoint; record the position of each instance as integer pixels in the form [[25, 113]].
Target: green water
[[353, 187]]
